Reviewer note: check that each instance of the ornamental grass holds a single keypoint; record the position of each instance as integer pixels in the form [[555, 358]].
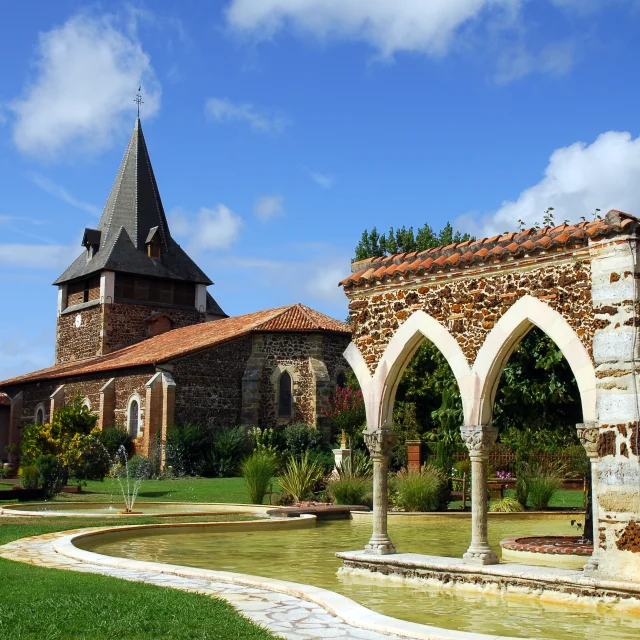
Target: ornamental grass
[[300, 477], [258, 470], [419, 490]]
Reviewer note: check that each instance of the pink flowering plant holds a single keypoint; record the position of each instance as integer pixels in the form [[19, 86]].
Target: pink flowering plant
[[346, 410]]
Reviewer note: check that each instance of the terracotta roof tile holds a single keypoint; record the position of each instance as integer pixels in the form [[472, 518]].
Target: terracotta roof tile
[[501, 247], [187, 340]]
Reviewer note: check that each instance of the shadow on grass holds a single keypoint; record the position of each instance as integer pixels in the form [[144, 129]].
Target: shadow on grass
[[153, 494]]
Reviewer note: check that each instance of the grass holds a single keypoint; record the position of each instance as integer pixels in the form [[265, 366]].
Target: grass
[[50, 603], [231, 490]]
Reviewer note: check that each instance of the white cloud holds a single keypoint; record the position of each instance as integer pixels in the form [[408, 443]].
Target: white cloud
[[425, 26], [62, 194], [81, 96], [556, 59], [269, 207], [578, 179], [325, 180], [223, 110], [37, 256], [207, 230]]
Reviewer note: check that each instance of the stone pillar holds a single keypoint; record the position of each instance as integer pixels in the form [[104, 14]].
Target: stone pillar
[[251, 384], [168, 408], [380, 443], [15, 423], [479, 440], [106, 414], [414, 455], [153, 412], [588, 434], [616, 353], [57, 400]]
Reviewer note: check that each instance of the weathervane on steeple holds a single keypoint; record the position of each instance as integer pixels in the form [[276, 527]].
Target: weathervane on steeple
[[138, 100]]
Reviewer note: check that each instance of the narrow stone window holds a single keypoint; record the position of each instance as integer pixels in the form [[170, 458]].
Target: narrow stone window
[[341, 381], [285, 397], [134, 410], [40, 416]]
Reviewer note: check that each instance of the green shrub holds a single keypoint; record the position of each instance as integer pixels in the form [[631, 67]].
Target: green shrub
[[300, 438], [229, 447], [188, 449], [351, 490], [358, 465], [114, 438], [52, 475], [542, 481], [85, 458], [505, 505], [419, 490], [578, 465], [325, 459], [29, 477], [299, 477], [258, 470]]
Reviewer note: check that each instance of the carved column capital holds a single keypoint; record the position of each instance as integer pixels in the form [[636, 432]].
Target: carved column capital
[[588, 433], [380, 442], [479, 439]]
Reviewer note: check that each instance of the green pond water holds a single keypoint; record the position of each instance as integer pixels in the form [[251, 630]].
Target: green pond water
[[140, 508], [307, 556]]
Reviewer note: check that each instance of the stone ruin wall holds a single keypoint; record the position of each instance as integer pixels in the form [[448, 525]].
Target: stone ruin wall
[[470, 305]]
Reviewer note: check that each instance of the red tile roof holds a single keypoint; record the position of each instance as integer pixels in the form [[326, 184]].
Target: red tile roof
[[510, 246], [4, 400], [181, 342]]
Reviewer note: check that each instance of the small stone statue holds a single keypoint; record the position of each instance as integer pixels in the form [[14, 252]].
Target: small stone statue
[[343, 443]]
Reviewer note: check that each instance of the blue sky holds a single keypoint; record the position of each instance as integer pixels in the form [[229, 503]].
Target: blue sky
[[280, 129]]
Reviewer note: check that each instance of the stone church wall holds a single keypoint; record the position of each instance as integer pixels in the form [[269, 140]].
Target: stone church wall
[[125, 322], [209, 384], [78, 343]]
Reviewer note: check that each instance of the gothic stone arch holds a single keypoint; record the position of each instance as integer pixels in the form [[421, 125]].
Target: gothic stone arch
[[475, 301]]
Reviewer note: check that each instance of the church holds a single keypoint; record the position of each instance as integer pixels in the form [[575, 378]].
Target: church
[[146, 346]]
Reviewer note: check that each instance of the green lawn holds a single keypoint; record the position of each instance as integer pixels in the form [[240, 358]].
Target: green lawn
[[231, 490], [50, 604]]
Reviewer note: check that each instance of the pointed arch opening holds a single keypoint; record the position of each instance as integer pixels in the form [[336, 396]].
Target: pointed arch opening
[[285, 395]]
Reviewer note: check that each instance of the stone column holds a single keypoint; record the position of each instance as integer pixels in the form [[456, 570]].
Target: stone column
[[380, 442], [479, 440], [57, 401], [588, 434]]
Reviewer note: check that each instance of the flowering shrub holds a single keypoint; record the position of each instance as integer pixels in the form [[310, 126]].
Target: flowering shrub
[[71, 438], [346, 410]]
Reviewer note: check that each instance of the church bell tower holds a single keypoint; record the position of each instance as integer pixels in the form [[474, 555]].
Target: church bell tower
[[132, 280]]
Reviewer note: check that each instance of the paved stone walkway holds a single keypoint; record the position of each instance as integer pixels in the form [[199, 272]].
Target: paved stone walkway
[[287, 616]]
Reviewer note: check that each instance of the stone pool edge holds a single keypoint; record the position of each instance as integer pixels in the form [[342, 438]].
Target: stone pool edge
[[15, 509], [545, 583], [348, 610]]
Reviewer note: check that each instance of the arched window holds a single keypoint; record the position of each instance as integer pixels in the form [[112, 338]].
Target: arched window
[[134, 418], [40, 415], [341, 380], [285, 397]]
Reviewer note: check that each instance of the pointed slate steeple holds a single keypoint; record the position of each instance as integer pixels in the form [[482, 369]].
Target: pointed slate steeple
[[132, 218]]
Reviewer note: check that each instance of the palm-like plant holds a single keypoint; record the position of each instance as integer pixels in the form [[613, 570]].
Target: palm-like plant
[[300, 477]]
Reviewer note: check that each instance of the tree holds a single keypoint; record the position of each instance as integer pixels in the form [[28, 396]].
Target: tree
[[403, 240]]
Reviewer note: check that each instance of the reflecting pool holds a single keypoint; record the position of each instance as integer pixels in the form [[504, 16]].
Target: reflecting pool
[[307, 556], [141, 508]]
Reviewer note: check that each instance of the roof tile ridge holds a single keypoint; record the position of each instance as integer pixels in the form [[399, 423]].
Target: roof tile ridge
[[113, 244]]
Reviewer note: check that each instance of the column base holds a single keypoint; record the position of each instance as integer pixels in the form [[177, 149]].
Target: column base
[[591, 568], [380, 546], [480, 555]]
